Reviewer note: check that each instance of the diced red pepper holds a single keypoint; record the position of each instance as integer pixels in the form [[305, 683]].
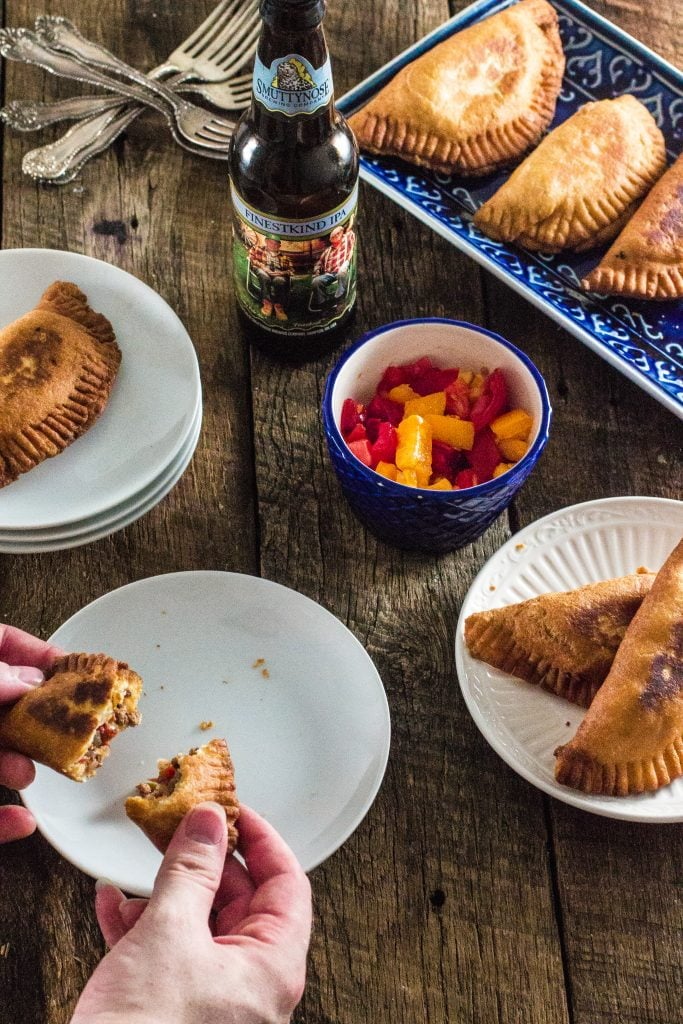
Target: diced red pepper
[[392, 377], [363, 451], [384, 409], [107, 732], [372, 426], [167, 773], [384, 448], [415, 371], [458, 399], [491, 402], [359, 433], [351, 416], [445, 460], [484, 456], [434, 379], [466, 478]]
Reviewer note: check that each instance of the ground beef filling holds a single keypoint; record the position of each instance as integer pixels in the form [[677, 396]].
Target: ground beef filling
[[104, 734], [165, 782]]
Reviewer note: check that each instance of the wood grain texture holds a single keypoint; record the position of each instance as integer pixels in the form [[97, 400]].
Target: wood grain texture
[[465, 895]]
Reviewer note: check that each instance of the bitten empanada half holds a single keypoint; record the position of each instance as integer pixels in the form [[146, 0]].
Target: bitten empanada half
[[631, 738], [58, 364], [476, 101], [205, 773], [582, 183], [646, 260], [68, 722], [564, 642]]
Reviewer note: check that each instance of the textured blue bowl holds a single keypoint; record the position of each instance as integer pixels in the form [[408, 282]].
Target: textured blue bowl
[[411, 517]]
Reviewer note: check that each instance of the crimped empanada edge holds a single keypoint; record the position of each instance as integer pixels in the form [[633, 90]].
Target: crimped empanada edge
[[575, 769], [638, 282]]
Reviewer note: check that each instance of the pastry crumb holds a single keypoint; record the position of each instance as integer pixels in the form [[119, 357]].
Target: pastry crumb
[[492, 586], [265, 673], [520, 547], [205, 725], [259, 662]]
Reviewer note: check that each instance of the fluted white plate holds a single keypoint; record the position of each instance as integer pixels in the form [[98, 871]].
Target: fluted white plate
[[581, 544], [309, 740], [152, 405]]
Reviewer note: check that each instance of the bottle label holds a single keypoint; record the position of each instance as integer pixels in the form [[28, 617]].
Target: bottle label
[[292, 86], [295, 276]]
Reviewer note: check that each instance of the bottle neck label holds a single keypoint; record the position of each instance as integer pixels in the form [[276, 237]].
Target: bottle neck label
[[292, 86]]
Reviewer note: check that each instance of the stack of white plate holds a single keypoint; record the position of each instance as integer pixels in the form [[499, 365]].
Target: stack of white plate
[[144, 440]]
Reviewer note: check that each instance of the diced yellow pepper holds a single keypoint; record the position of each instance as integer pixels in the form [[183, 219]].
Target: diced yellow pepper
[[442, 484], [402, 393], [408, 477], [414, 450], [434, 404], [514, 424], [502, 467], [512, 449], [477, 385], [449, 429], [466, 375], [387, 469]]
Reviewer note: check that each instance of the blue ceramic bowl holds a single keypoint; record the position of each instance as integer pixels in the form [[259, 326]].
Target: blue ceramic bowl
[[411, 517]]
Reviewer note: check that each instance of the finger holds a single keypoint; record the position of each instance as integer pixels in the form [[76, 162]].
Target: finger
[[15, 823], [12, 689], [280, 909], [20, 648], [233, 898], [132, 910], [16, 771], [108, 900], [191, 870]]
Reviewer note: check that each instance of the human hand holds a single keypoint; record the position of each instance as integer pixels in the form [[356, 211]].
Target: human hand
[[22, 660], [174, 958]]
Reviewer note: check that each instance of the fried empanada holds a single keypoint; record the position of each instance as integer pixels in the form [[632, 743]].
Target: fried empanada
[[205, 773], [582, 183], [563, 642], [646, 260], [58, 364], [476, 101], [631, 738], [69, 721]]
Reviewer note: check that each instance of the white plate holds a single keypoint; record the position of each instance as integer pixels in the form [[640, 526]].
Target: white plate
[[152, 405], [12, 538], [310, 742], [103, 526], [581, 544]]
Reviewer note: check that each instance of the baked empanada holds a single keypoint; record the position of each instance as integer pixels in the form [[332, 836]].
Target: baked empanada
[[476, 101], [69, 721], [631, 738], [563, 642], [58, 364], [646, 260], [205, 773], [582, 183]]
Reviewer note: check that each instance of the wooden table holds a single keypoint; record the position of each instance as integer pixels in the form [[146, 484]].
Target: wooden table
[[465, 895]]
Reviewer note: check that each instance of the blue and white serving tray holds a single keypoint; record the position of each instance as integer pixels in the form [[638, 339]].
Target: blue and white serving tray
[[642, 339]]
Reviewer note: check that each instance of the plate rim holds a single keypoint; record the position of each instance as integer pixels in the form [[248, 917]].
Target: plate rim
[[381, 695], [174, 450], [574, 798]]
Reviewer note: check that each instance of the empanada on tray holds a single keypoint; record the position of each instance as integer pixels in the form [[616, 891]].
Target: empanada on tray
[[58, 364], [68, 722], [204, 773], [563, 642], [631, 738], [646, 260], [578, 188], [474, 102]]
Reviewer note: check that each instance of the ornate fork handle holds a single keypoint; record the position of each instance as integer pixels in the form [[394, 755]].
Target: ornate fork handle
[[32, 115]]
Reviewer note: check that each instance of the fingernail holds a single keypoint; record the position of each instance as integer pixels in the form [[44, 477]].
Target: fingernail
[[102, 883], [205, 826]]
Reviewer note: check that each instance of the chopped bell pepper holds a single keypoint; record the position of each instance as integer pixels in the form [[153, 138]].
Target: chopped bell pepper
[[402, 394], [477, 386], [458, 398], [383, 408], [466, 478], [407, 477], [362, 451], [515, 425], [386, 469], [491, 402], [414, 451], [351, 416], [442, 484], [501, 468], [359, 433], [484, 456], [433, 404], [445, 460], [384, 448], [457, 433], [433, 380], [512, 448]]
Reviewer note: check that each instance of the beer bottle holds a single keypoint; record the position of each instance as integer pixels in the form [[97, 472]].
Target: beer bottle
[[294, 187]]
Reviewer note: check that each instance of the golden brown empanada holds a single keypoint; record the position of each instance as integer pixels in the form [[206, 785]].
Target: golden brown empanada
[[563, 642], [69, 721], [646, 260], [582, 183], [631, 739], [478, 100], [57, 368], [205, 773]]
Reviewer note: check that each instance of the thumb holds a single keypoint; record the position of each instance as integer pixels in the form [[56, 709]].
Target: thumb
[[192, 867]]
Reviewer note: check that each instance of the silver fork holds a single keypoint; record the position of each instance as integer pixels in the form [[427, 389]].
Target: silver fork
[[188, 122]]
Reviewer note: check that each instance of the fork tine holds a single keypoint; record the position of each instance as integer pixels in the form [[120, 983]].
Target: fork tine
[[226, 27], [206, 25], [233, 33], [234, 59]]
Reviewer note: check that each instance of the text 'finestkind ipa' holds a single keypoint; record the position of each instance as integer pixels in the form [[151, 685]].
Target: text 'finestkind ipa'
[[294, 187]]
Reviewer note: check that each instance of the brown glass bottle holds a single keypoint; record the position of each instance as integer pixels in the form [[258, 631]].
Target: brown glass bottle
[[294, 186]]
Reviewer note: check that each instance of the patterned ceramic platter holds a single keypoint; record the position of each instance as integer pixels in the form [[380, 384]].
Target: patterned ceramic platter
[[596, 540], [644, 340]]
